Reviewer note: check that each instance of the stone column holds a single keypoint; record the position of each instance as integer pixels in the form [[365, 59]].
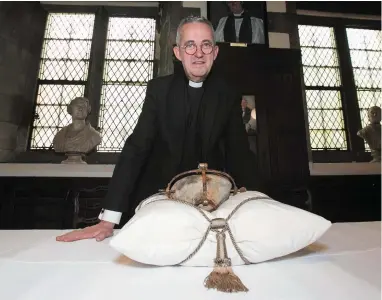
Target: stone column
[[171, 13], [282, 24], [22, 27], [9, 125]]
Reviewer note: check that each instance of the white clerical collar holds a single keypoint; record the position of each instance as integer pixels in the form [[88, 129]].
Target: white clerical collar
[[195, 84], [238, 15]]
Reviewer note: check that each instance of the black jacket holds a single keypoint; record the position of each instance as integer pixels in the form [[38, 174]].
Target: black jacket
[[152, 153]]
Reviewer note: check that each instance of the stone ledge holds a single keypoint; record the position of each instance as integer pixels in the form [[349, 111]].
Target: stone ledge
[[341, 169], [55, 170], [106, 171]]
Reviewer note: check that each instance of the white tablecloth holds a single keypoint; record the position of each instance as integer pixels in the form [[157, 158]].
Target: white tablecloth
[[345, 264]]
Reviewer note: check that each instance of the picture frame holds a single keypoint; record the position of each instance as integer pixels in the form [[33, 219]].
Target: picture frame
[[217, 12]]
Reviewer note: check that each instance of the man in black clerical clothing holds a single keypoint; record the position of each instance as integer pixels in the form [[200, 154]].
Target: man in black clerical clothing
[[239, 26], [185, 120], [246, 111]]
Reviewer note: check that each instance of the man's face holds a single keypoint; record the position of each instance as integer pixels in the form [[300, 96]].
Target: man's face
[[198, 64], [243, 103], [235, 7]]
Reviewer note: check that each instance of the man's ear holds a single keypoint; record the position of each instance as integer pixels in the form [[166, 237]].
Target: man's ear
[[177, 52], [216, 51]]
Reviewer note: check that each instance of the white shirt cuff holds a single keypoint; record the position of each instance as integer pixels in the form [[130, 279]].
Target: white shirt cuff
[[110, 216]]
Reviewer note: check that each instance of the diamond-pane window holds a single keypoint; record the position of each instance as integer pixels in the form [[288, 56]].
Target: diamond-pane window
[[129, 65], [63, 73], [322, 88], [66, 48], [366, 57], [50, 113]]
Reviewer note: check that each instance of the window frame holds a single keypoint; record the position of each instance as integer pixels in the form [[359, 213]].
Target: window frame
[[93, 85], [352, 119], [48, 82]]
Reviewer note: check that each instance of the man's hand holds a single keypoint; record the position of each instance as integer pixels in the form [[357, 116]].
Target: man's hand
[[99, 231]]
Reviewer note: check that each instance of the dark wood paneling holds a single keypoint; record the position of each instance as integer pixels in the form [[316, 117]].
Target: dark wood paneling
[[49, 203], [45, 203], [346, 7], [273, 76], [347, 198]]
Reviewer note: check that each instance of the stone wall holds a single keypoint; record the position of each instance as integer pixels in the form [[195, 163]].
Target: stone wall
[[22, 27]]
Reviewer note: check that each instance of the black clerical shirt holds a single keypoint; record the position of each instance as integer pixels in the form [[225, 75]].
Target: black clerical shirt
[[192, 146]]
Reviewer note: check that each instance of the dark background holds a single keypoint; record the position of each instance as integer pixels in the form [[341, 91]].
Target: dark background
[[219, 9], [356, 7]]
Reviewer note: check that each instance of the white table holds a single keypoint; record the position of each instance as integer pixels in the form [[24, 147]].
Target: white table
[[345, 264]]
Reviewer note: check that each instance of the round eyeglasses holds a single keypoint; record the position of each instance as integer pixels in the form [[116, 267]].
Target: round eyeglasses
[[191, 49]]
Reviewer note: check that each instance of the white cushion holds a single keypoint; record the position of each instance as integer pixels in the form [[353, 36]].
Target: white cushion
[[165, 232]]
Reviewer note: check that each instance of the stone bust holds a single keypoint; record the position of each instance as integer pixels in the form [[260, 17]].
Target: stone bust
[[372, 133], [79, 137]]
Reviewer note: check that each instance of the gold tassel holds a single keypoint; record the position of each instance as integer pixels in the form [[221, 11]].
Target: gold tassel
[[222, 278]]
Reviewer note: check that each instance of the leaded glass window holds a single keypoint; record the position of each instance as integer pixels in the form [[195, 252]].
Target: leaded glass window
[[322, 80], [63, 73], [129, 65], [365, 47]]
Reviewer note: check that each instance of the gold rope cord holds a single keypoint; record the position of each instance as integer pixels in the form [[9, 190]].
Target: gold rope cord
[[226, 228]]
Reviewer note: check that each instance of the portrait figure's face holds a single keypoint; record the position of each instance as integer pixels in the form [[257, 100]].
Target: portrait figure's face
[[196, 50], [79, 109], [244, 103], [235, 7]]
